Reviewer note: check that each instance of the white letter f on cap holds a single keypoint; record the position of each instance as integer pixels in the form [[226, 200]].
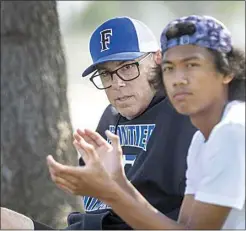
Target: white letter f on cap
[[105, 39]]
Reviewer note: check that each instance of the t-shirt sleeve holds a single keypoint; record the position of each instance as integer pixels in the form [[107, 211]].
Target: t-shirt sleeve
[[189, 189], [223, 173], [190, 174]]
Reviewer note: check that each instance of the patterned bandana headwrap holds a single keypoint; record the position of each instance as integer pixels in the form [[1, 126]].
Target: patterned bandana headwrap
[[209, 33]]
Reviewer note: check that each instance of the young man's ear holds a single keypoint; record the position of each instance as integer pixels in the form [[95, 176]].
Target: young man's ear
[[158, 57], [227, 79]]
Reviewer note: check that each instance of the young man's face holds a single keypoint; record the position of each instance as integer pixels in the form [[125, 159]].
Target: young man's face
[[191, 80], [130, 98]]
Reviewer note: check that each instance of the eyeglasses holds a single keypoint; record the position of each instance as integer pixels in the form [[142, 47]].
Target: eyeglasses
[[128, 72]]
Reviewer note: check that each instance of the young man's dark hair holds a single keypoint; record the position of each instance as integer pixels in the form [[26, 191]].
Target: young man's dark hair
[[232, 63]]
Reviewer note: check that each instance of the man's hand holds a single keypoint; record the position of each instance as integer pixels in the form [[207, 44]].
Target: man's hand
[[13, 220], [90, 180], [109, 155]]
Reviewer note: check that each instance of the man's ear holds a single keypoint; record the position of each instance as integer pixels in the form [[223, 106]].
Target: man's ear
[[227, 79], [158, 57]]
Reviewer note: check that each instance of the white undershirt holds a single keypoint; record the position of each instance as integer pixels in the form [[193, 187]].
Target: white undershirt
[[216, 168]]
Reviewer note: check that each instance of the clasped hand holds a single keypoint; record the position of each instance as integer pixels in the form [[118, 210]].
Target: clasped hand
[[103, 169]]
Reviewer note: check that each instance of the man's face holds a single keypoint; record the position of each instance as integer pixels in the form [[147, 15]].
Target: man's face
[[191, 80], [130, 98]]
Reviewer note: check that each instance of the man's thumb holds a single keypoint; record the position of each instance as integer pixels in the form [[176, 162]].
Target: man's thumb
[[114, 139]]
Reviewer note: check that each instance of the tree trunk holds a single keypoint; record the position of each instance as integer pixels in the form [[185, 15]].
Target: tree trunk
[[34, 111]]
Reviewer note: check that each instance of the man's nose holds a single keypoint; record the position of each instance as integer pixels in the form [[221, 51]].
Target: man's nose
[[117, 82]]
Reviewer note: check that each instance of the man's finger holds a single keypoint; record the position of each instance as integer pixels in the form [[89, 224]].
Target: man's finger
[[68, 173], [76, 137], [57, 167], [80, 149], [96, 137], [90, 150], [115, 140], [80, 132], [59, 170], [64, 184], [65, 189], [87, 138], [64, 178]]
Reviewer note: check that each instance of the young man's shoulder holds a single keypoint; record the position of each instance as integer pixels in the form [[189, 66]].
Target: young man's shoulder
[[234, 114], [230, 130], [232, 122]]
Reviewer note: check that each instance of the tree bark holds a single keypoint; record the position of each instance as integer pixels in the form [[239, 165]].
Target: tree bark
[[35, 118]]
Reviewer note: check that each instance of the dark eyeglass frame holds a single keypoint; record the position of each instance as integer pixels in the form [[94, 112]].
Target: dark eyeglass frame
[[137, 63]]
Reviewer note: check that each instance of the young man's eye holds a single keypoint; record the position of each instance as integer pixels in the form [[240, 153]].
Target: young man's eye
[[167, 69], [192, 65]]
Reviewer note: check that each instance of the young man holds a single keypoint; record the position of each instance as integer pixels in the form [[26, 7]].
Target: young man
[[153, 136], [204, 76]]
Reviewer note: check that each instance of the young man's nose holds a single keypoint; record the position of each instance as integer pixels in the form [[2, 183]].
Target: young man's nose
[[180, 78]]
